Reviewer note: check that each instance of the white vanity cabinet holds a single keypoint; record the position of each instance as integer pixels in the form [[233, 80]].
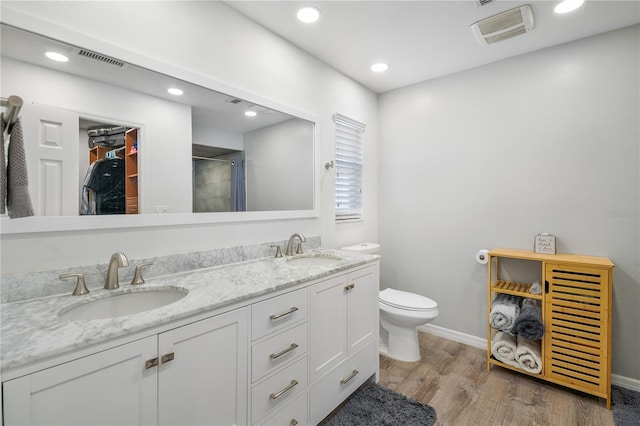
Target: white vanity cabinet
[[192, 375], [286, 358], [343, 325]]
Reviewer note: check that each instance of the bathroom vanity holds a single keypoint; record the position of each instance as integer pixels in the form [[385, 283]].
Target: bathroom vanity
[[268, 341]]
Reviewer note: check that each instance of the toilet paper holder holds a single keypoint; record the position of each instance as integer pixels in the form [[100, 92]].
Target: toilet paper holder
[[482, 256]]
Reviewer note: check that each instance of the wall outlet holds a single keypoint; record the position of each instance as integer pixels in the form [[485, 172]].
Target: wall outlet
[[162, 209]]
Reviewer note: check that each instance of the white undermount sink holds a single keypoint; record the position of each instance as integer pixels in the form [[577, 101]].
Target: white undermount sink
[[314, 260], [123, 304]]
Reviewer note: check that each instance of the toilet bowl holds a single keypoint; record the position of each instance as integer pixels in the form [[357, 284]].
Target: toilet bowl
[[401, 313]]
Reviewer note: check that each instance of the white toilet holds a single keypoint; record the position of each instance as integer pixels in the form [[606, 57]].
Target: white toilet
[[401, 313]]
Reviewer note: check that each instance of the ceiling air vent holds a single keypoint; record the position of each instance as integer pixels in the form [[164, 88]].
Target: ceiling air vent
[[504, 25], [234, 101], [100, 57], [480, 3]]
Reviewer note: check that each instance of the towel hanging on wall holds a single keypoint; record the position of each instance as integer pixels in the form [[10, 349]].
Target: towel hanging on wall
[[14, 179]]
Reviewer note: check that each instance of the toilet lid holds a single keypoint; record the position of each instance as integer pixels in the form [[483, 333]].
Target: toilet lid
[[406, 300]]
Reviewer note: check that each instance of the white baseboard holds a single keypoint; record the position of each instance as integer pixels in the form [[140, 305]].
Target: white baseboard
[[481, 343], [625, 382], [456, 336]]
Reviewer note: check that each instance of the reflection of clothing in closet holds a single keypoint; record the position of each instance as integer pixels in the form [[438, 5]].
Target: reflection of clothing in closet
[[111, 183], [104, 187]]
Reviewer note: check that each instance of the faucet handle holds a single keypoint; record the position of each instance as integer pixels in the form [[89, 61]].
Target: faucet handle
[[81, 288], [278, 252], [137, 275]]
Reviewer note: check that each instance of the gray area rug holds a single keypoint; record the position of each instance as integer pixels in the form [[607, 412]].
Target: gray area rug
[[625, 404], [374, 405]]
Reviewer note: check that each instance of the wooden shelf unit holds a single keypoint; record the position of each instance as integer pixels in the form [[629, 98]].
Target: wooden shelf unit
[[576, 313], [131, 171]]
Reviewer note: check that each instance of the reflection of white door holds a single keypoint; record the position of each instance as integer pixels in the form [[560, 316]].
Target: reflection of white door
[[51, 142]]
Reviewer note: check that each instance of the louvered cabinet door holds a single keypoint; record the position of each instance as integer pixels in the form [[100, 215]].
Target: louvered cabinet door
[[577, 335]]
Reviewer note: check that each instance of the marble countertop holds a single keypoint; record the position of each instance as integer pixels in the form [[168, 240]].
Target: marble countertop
[[32, 331]]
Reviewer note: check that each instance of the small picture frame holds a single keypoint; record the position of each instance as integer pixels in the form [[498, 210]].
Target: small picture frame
[[545, 244]]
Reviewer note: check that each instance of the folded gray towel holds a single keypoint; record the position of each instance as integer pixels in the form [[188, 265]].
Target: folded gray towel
[[529, 322], [505, 308]]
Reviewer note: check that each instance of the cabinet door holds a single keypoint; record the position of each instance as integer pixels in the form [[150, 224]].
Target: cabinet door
[[327, 325], [577, 332], [362, 307], [108, 388], [202, 376]]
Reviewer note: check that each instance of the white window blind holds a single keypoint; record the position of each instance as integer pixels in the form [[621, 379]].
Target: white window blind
[[349, 161]]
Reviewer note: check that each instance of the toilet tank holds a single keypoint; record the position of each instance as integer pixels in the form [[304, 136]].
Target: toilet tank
[[370, 248]]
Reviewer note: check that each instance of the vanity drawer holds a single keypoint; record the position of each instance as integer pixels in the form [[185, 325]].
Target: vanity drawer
[[277, 390], [294, 414], [277, 313], [278, 351], [341, 382]]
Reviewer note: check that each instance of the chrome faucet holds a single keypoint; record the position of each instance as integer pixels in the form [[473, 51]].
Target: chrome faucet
[[118, 260], [289, 250]]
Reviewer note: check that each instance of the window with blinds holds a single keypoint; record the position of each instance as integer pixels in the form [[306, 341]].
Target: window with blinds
[[348, 167]]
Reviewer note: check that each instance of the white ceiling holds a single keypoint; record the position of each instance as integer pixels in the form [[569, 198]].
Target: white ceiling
[[421, 40], [207, 106]]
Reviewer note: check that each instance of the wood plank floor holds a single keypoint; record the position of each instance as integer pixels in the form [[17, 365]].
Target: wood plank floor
[[453, 378]]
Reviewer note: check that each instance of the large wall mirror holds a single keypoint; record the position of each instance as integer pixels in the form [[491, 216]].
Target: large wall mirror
[[198, 151]]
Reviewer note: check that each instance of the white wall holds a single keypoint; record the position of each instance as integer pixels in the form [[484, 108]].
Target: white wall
[[277, 179], [165, 135], [211, 40], [543, 142], [204, 134]]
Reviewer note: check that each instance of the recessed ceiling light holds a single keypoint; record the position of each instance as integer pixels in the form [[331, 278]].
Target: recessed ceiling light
[[55, 56], [379, 67], [250, 113], [175, 91], [308, 14], [568, 5]]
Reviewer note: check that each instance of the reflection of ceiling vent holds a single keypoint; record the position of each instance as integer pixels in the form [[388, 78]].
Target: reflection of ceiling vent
[[234, 101], [100, 57], [504, 25], [482, 2]]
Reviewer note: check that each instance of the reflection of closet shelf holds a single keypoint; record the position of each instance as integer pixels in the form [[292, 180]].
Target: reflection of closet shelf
[[131, 171], [99, 152], [576, 313], [517, 289]]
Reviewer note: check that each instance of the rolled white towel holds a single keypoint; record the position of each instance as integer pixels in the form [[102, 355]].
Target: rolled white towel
[[528, 355], [503, 348], [536, 288]]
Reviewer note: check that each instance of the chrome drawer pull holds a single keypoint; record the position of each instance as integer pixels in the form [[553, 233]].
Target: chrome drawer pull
[[279, 354], [289, 312], [353, 374], [288, 388], [293, 422]]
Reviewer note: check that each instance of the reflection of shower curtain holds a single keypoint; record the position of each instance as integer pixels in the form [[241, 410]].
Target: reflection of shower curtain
[[238, 196]]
